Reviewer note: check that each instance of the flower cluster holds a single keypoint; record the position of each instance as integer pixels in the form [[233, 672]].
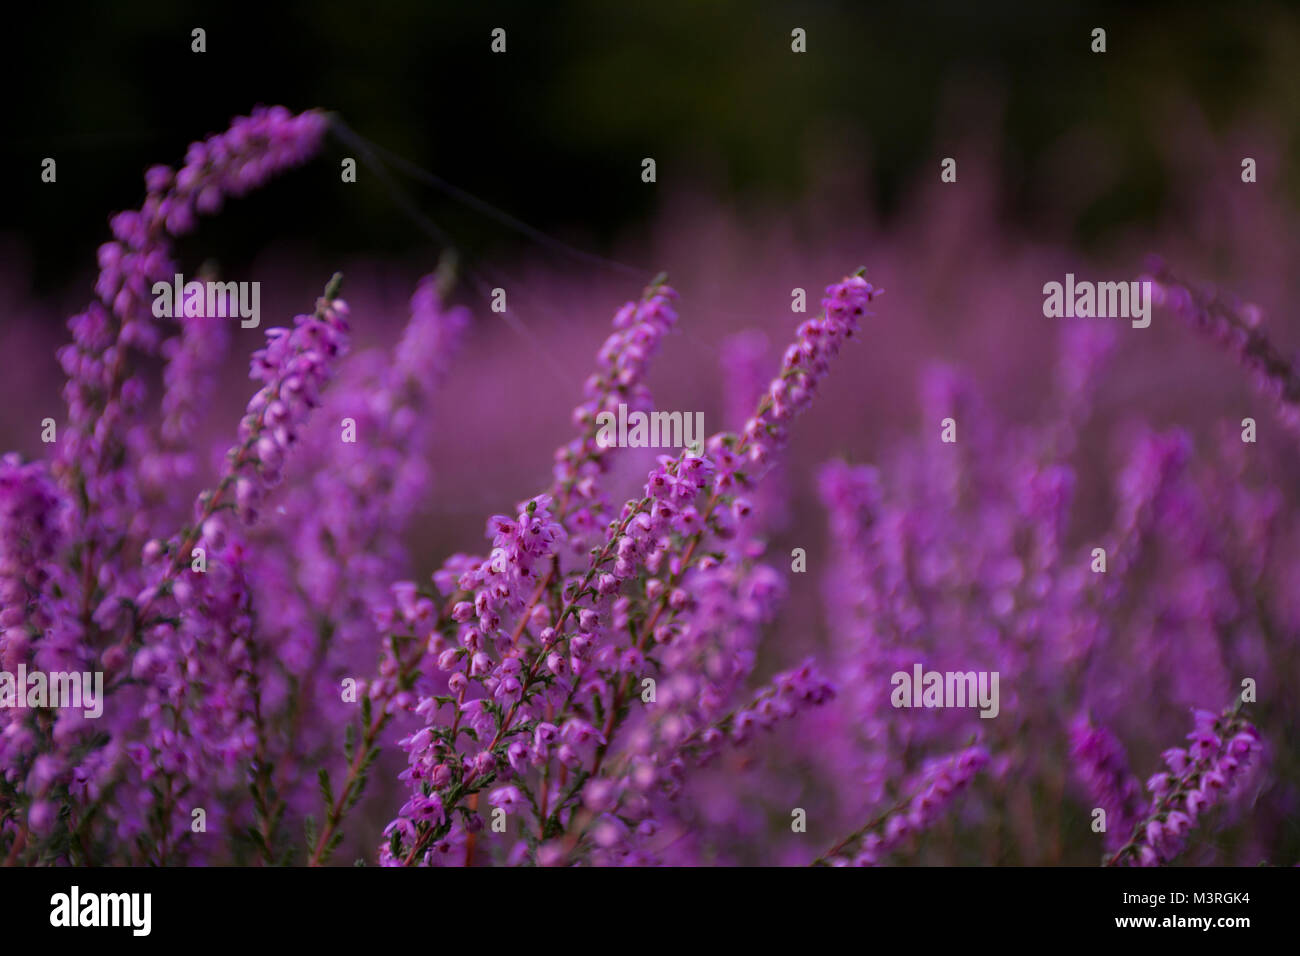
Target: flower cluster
[[103, 396], [166, 619], [634, 668], [545, 667], [1210, 770]]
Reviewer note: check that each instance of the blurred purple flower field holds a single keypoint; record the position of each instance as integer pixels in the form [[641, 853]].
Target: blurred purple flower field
[[394, 600]]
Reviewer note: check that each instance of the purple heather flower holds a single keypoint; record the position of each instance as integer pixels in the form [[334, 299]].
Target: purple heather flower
[[1223, 751]]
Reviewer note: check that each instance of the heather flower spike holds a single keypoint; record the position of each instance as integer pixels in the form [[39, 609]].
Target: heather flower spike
[[518, 687], [1210, 771], [941, 783], [1235, 326]]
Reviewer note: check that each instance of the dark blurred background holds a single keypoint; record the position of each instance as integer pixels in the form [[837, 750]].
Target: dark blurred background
[[554, 130]]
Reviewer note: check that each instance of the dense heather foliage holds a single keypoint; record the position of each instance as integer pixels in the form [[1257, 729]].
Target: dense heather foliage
[[592, 680]]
